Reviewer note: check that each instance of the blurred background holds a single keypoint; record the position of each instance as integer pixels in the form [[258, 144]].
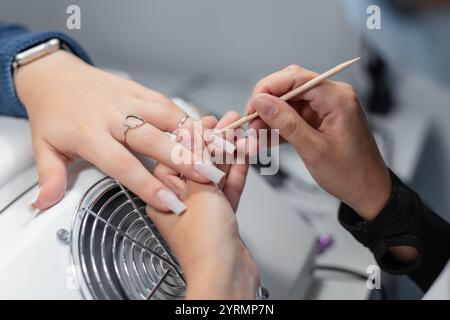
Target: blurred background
[[211, 53]]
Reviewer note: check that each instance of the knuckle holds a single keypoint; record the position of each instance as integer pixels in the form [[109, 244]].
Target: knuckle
[[167, 106], [209, 118], [352, 97], [347, 91], [289, 127], [232, 114], [261, 86], [350, 102], [136, 88], [294, 68], [345, 101], [345, 86], [300, 74]]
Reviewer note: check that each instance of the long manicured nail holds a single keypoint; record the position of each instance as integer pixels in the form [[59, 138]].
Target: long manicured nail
[[35, 210], [223, 144], [209, 171], [264, 106], [171, 201], [171, 136], [36, 203]]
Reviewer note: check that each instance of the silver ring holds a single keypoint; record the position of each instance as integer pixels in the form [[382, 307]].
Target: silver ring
[[186, 117], [131, 121]]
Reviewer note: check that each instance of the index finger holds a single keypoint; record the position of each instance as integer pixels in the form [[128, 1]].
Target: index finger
[[281, 82]]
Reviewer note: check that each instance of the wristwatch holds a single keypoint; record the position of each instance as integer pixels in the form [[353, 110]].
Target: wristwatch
[[37, 52]]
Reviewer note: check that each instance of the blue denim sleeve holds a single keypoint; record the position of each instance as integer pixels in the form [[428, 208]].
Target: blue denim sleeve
[[14, 39]]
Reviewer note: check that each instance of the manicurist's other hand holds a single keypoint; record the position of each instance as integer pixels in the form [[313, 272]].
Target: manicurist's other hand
[[328, 129], [77, 111], [205, 238]]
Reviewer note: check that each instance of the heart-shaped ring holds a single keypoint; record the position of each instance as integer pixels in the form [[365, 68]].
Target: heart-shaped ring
[[131, 121]]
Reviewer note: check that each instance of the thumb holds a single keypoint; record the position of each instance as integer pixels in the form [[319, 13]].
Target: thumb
[[278, 114], [52, 168]]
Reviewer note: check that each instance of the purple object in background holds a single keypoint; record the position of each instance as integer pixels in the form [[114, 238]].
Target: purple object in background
[[324, 243]]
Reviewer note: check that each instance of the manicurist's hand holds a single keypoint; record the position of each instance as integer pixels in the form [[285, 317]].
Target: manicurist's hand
[[77, 111], [205, 238], [327, 127]]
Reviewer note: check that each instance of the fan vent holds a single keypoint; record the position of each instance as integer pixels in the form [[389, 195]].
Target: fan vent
[[117, 250]]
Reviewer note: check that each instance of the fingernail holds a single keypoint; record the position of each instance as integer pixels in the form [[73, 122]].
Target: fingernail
[[223, 144], [171, 201], [35, 203], [209, 171], [171, 136], [264, 106], [35, 210], [34, 213], [185, 142]]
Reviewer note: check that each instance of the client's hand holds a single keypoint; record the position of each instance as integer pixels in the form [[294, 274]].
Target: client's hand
[[77, 111], [206, 243], [205, 238], [327, 127]]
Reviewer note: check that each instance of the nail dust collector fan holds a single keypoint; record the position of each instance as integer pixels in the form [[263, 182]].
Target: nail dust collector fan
[[117, 250]]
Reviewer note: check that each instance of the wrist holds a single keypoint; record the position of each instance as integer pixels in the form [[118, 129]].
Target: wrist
[[224, 277], [375, 197], [31, 80], [206, 282], [220, 281], [209, 266]]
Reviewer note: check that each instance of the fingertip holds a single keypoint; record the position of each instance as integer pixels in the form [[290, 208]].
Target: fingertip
[[261, 102], [209, 121], [227, 119], [49, 194], [232, 115], [171, 201], [249, 108]]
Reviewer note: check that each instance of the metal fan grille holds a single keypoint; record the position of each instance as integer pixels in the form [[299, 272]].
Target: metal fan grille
[[117, 249]]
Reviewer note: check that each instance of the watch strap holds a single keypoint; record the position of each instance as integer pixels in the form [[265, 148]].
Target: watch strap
[[14, 40]]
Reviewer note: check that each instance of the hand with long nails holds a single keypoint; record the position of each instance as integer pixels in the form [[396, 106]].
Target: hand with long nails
[[82, 116]]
